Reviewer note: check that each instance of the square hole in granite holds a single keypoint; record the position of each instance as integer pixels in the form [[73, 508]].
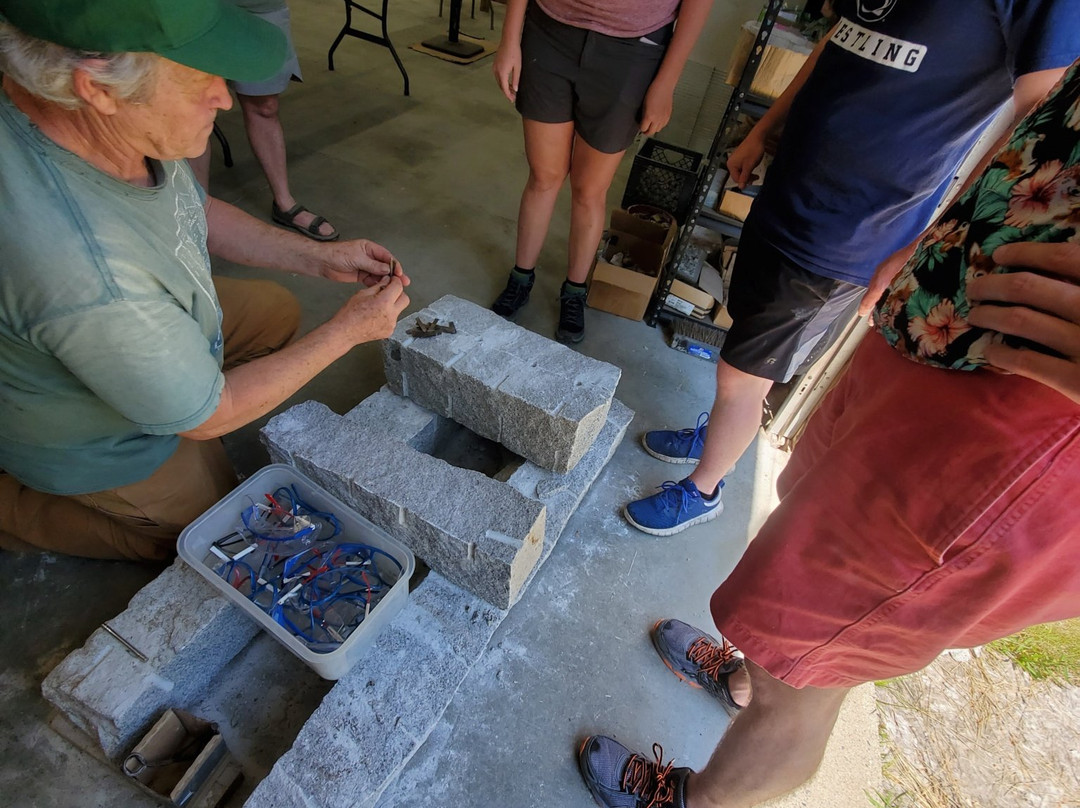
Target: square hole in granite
[[463, 448]]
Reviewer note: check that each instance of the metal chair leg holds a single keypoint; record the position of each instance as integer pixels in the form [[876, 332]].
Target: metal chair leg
[[341, 35], [384, 40]]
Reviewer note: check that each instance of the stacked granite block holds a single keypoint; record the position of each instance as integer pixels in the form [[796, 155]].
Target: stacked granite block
[[483, 537], [380, 713], [480, 533], [536, 397], [187, 632]]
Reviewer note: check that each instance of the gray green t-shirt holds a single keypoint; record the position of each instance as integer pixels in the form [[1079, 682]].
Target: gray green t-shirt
[[110, 328]]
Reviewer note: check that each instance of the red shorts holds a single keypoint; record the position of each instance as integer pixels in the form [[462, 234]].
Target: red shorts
[[923, 509]]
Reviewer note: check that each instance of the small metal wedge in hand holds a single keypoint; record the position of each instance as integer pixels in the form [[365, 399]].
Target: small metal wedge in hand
[[429, 329]]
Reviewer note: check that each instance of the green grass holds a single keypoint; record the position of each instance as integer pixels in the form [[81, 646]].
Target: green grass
[[1050, 651], [884, 799]]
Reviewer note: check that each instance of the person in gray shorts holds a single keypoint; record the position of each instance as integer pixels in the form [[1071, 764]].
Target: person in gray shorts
[[587, 79], [259, 105]]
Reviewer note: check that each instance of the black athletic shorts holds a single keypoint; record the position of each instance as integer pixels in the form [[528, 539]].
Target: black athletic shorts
[[784, 315], [596, 81]]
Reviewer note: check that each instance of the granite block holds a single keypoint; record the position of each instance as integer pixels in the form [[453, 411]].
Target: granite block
[[378, 714], [383, 710], [447, 516], [537, 398], [188, 633]]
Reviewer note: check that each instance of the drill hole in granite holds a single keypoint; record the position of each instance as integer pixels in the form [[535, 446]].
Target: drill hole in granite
[[464, 449]]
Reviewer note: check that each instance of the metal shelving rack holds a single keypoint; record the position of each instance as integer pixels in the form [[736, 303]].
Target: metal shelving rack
[[740, 101]]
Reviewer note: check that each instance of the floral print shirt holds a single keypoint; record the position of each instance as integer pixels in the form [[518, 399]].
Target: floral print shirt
[[1029, 192]]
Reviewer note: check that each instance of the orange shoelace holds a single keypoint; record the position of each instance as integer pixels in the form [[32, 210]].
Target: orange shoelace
[[711, 658], [649, 780]]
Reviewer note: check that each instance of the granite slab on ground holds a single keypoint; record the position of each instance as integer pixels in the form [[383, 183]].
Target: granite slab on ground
[[186, 631]]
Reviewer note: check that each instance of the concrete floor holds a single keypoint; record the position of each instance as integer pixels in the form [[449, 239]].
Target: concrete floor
[[436, 177]]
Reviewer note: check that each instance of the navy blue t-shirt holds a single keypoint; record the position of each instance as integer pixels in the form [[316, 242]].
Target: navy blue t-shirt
[[898, 97]]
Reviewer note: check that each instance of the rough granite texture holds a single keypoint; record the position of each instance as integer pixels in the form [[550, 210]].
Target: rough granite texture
[[536, 397], [379, 714], [188, 633], [483, 535]]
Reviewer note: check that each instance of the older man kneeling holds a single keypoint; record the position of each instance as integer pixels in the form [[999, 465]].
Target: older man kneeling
[[122, 362]]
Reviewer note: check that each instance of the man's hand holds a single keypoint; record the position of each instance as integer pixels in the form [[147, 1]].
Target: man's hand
[[1044, 308], [656, 108], [373, 312], [361, 261], [883, 276], [746, 157], [507, 69], [256, 387]]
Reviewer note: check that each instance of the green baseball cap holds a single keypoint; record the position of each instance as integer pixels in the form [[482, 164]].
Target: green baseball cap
[[208, 35]]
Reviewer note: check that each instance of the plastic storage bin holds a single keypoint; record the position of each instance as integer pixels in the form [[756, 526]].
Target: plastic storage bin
[[663, 176], [194, 546]]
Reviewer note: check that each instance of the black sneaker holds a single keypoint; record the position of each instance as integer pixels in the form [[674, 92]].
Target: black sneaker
[[619, 778], [698, 659], [515, 295], [571, 315]]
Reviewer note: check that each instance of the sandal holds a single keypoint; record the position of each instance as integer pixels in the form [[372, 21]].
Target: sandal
[[287, 218]]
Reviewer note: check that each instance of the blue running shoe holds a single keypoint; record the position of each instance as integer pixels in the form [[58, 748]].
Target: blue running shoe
[[619, 778], [677, 507], [699, 659], [681, 446]]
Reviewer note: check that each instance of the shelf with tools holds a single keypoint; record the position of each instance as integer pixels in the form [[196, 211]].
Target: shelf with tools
[[690, 250], [710, 225]]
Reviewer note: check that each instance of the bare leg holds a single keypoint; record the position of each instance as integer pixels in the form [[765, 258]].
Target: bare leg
[[591, 173], [733, 423], [775, 744], [547, 148], [267, 140]]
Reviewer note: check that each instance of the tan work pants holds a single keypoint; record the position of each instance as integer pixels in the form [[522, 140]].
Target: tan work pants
[[141, 521]]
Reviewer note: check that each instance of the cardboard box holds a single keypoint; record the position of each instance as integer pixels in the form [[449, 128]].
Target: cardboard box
[[781, 60], [727, 257], [720, 316], [712, 282], [689, 300], [183, 761], [735, 204], [621, 290], [696, 297], [623, 222]]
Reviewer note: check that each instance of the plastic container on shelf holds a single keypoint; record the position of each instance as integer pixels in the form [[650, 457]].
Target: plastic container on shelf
[[664, 176], [223, 517]]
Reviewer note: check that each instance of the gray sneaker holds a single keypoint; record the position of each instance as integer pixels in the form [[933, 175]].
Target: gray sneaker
[[698, 659], [619, 778]]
